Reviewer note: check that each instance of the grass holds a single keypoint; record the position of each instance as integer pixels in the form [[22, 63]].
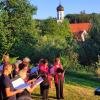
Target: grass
[[77, 86], [82, 79]]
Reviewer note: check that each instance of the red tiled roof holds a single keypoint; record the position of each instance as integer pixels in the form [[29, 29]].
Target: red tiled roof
[[76, 28]]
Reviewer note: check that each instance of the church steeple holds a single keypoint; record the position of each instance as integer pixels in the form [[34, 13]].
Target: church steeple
[[60, 12]]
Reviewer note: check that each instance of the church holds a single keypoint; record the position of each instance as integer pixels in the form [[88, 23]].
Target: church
[[79, 30]]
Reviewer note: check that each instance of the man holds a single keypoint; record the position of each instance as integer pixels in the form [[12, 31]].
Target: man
[[6, 89]]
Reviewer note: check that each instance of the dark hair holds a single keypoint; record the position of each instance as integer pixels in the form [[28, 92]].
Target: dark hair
[[22, 66], [45, 61]]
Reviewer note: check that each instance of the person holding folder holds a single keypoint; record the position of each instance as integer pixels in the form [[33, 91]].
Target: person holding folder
[[23, 73], [44, 72], [6, 88], [58, 78]]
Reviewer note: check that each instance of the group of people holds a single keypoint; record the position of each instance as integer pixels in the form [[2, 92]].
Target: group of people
[[21, 69]]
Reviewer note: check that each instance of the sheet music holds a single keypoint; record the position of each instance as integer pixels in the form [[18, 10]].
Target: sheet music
[[19, 83], [37, 82]]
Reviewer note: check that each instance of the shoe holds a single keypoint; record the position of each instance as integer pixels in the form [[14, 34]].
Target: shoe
[[61, 97], [58, 98]]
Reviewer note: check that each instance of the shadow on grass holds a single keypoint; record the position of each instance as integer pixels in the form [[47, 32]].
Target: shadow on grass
[[52, 97], [86, 79], [36, 96]]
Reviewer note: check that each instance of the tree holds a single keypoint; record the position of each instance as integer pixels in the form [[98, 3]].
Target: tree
[[90, 49], [17, 27], [55, 40], [80, 18]]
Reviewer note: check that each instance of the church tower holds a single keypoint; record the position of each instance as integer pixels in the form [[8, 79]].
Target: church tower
[[60, 13]]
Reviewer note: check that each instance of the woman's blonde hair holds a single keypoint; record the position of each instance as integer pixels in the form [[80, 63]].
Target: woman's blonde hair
[[5, 56]]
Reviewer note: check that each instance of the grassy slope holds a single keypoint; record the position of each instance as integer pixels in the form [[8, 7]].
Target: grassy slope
[[76, 87]]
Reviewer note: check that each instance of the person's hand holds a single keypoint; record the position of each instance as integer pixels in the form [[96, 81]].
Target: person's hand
[[31, 81], [20, 90]]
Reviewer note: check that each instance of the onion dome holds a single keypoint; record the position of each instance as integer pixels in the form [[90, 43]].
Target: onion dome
[[60, 8]]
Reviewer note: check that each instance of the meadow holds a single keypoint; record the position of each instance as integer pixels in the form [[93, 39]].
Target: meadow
[[77, 86]]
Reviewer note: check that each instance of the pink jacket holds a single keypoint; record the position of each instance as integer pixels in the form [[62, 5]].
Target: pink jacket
[[56, 74], [44, 69]]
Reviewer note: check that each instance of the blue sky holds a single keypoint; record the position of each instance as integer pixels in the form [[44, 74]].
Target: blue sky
[[47, 8]]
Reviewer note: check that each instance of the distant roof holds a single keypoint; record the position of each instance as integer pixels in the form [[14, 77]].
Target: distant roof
[[60, 8], [77, 27]]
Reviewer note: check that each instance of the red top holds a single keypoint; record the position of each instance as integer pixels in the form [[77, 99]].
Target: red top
[[56, 74], [45, 70]]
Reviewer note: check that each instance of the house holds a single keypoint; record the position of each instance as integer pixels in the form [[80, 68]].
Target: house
[[80, 30]]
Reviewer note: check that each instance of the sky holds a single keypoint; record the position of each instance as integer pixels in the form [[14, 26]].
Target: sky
[[47, 8]]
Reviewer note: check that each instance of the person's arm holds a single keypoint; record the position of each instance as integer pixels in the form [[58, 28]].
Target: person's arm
[[11, 93], [30, 89], [50, 80], [31, 81], [7, 88]]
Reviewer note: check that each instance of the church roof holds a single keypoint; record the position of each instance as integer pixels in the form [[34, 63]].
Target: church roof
[[77, 27], [60, 8]]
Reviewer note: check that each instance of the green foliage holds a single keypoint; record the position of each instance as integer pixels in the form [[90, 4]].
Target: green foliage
[[98, 63], [81, 18], [95, 31], [56, 40], [87, 52], [21, 35], [12, 60], [69, 55], [17, 27], [95, 36], [98, 67], [90, 49], [5, 36]]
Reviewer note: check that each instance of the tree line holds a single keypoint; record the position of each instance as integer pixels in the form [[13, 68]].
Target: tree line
[[81, 18]]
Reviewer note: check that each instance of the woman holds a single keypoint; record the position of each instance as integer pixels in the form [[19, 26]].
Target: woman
[[44, 72], [58, 78], [25, 61], [23, 73], [5, 60], [15, 72], [6, 88]]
